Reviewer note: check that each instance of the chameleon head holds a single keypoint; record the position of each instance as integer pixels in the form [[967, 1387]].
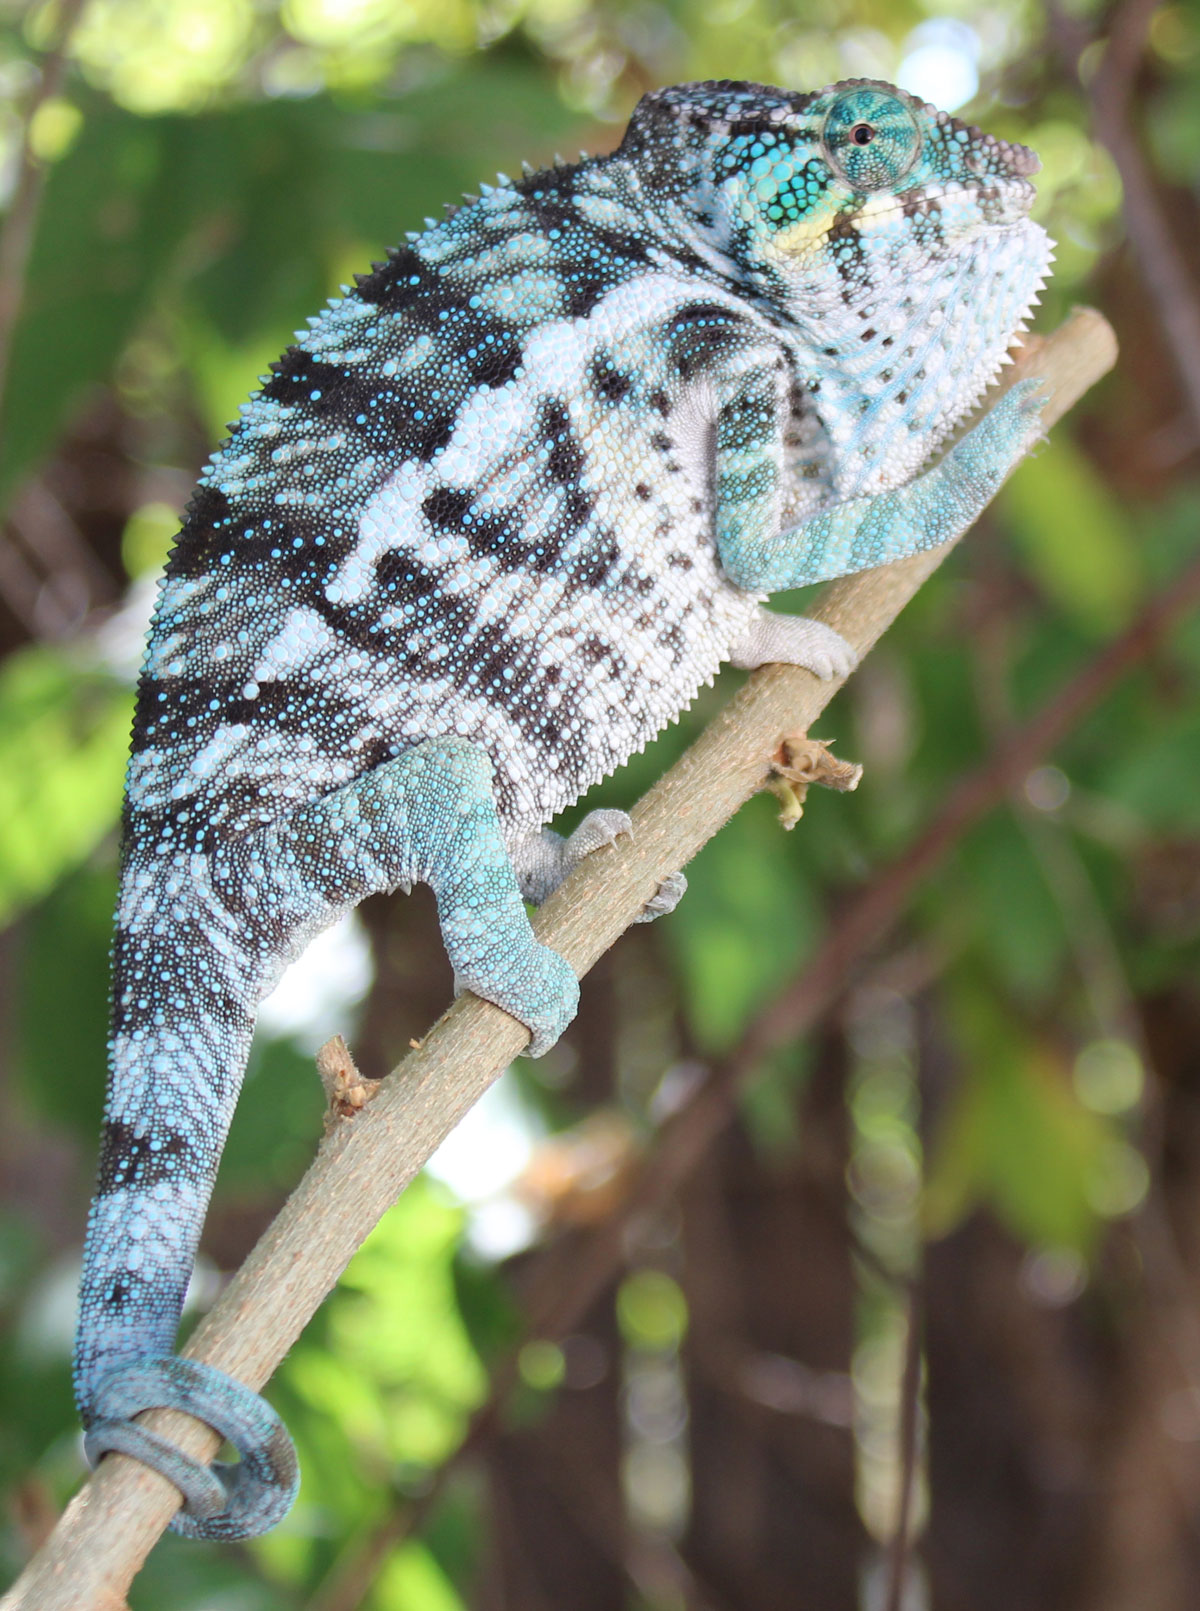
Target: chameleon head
[[895, 239]]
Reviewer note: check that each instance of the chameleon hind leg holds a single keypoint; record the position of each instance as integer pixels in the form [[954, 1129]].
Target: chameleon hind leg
[[428, 816]]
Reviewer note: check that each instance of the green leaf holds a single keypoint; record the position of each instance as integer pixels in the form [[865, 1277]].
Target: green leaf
[[109, 221], [1015, 1136], [387, 1380], [1074, 537], [1002, 895], [62, 1021], [750, 913], [64, 737], [1154, 769], [412, 1580]]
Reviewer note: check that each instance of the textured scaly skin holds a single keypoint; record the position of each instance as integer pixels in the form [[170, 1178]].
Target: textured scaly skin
[[489, 526]]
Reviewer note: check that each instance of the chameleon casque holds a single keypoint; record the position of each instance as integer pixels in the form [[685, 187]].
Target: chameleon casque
[[488, 526]]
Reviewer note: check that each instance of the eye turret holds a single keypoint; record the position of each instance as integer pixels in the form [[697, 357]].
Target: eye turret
[[870, 138]]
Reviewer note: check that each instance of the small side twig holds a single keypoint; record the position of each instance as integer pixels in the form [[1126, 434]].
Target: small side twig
[[346, 1090]]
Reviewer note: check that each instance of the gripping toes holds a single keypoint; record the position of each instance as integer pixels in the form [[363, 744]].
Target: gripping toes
[[604, 827], [598, 828], [550, 999], [540, 991], [219, 1501], [667, 897], [794, 640]]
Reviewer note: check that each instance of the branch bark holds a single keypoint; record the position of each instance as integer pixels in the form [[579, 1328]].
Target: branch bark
[[111, 1524]]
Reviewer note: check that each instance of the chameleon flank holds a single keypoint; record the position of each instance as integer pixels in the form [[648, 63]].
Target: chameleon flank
[[487, 527]]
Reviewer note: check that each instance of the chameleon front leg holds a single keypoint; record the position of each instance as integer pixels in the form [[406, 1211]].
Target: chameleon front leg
[[861, 532], [201, 948]]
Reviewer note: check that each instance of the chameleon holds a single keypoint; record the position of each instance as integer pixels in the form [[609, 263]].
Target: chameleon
[[487, 527]]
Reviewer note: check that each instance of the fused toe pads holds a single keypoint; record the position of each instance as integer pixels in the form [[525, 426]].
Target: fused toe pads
[[220, 1501]]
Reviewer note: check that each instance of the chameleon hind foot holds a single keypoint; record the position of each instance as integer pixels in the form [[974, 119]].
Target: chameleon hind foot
[[222, 1500], [544, 858]]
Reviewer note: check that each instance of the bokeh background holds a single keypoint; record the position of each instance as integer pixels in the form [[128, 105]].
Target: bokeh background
[[846, 1253]]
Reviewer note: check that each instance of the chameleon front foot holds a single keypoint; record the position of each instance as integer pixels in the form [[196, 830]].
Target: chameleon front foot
[[220, 1501]]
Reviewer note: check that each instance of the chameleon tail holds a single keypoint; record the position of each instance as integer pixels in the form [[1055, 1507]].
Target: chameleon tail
[[199, 939], [184, 993]]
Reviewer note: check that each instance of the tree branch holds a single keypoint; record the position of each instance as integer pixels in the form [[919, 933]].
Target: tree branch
[[109, 1527]]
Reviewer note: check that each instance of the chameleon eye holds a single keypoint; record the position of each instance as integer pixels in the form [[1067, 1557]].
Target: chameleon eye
[[870, 138]]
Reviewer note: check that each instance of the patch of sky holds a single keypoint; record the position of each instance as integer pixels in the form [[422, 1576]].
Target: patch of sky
[[481, 1162], [317, 995]]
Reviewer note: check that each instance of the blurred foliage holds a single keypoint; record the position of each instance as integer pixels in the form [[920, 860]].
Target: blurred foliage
[[215, 169]]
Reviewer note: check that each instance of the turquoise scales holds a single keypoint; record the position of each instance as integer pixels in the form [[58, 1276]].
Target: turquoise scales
[[489, 526]]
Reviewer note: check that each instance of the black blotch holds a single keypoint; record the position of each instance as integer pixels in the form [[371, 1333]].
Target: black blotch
[[356, 401], [493, 651], [565, 463], [583, 291], [431, 435], [389, 284], [566, 456], [700, 334], [445, 508], [128, 1159], [206, 534], [497, 364], [609, 382], [593, 569], [448, 509]]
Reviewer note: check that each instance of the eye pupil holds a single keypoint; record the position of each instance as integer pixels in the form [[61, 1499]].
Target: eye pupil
[[862, 134]]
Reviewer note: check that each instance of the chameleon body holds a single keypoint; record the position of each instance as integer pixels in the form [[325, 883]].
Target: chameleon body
[[488, 526]]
